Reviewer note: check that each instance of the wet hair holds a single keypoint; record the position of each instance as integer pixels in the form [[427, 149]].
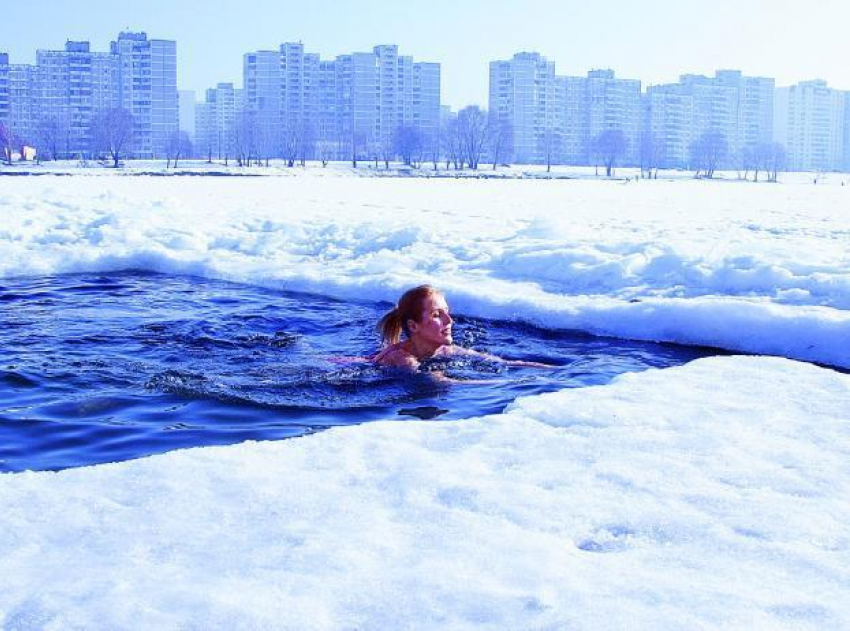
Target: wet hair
[[409, 307]]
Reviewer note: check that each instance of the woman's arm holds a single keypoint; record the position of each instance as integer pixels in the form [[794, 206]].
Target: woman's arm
[[520, 363]]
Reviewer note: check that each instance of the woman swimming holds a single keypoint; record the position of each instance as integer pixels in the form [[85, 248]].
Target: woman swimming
[[422, 314]]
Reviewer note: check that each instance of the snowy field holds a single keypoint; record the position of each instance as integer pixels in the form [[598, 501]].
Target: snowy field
[[709, 496]]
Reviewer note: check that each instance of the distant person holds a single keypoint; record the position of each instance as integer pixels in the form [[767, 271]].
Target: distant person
[[422, 316]]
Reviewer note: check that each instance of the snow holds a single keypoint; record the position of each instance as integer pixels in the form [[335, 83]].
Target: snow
[[712, 495], [748, 267], [651, 503]]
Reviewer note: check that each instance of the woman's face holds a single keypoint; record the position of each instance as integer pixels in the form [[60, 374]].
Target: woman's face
[[435, 323]]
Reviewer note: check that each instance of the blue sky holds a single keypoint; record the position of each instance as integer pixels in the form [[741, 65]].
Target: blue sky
[[653, 40]]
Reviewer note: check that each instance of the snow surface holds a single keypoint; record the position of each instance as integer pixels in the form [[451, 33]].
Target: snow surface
[[708, 496], [749, 267], [653, 503]]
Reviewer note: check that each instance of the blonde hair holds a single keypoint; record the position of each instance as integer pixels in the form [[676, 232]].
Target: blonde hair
[[409, 307]]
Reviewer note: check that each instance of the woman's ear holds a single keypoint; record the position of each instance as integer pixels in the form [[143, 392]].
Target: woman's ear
[[412, 325]]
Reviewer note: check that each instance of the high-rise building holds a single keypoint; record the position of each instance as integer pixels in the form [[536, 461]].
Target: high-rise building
[[24, 111], [327, 112], [669, 124], [733, 107], [615, 104], [556, 119], [215, 121], [426, 100], [846, 165], [810, 119], [572, 114], [73, 86], [754, 125], [522, 96], [187, 103], [4, 87], [358, 126], [147, 88]]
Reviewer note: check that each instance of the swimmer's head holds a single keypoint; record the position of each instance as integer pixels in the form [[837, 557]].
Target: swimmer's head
[[421, 311]]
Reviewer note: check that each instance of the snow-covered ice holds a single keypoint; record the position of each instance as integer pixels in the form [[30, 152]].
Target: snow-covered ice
[[713, 495], [755, 268]]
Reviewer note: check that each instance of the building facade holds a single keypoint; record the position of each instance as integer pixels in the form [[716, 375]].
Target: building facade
[[147, 88], [337, 109], [215, 121], [523, 97], [4, 87], [810, 121]]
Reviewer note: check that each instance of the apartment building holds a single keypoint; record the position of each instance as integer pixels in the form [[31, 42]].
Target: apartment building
[[555, 118], [147, 88], [215, 121], [669, 124], [56, 102], [810, 119], [615, 104], [332, 108], [754, 124], [71, 87], [523, 96], [4, 87]]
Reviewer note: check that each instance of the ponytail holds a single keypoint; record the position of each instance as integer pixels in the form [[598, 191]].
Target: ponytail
[[390, 327]]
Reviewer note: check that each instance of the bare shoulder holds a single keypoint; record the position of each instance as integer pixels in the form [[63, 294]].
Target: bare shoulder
[[395, 355]]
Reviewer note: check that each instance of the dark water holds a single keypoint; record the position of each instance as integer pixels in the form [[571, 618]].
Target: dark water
[[102, 368]]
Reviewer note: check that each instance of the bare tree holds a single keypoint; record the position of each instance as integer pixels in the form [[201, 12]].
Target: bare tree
[[452, 145], [113, 132], [501, 139], [472, 132], [433, 144], [708, 152], [8, 142], [407, 143], [775, 160], [179, 146], [651, 155], [53, 136], [245, 137], [359, 142], [306, 142], [609, 145]]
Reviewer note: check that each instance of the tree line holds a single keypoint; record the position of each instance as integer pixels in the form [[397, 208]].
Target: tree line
[[466, 140]]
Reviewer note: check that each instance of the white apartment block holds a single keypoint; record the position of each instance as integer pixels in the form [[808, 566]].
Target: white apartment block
[[187, 101], [353, 104], [147, 88], [669, 124], [737, 107], [615, 104], [56, 102], [73, 85], [846, 164], [215, 121], [555, 118], [572, 119], [754, 125], [425, 106], [24, 114], [4, 88], [810, 120], [522, 95]]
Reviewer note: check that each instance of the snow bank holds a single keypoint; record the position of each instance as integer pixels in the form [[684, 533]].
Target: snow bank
[[670, 499], [750, 267]]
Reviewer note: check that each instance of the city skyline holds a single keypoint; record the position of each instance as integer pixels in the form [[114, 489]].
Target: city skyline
[[654, 43]]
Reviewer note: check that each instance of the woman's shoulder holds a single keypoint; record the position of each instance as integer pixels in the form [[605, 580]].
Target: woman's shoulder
[[396, 355]]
